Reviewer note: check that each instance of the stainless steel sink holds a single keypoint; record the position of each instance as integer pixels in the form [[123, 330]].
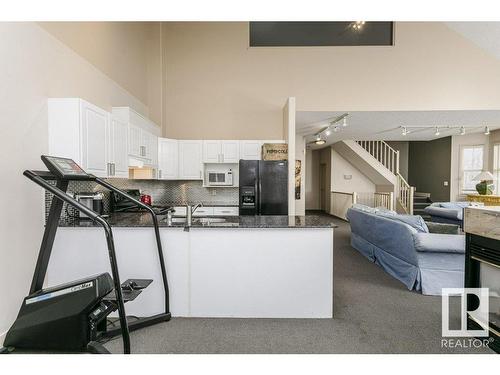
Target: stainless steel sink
[[200, 220], [178, 220], [209, 220]]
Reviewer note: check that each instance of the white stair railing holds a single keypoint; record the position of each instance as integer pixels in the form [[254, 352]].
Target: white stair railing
[[405, 194], [385, 154], [342, 201], [389, 158]]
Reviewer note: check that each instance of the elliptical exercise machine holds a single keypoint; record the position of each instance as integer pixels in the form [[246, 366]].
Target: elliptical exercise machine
[[74, 316]]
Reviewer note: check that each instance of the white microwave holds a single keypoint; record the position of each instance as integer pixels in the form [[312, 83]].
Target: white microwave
[[220, 178]]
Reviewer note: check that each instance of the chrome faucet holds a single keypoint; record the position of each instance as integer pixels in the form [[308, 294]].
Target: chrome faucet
[[190, 211]]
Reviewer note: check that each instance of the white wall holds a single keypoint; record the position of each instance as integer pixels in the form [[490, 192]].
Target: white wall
[[341, 168], [216, 86], [457, 141], [34, 65]]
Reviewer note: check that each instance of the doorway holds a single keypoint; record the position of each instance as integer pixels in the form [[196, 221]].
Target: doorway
[[322, 188]]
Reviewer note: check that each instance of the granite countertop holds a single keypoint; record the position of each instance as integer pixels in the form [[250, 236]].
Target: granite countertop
[[144, 220]]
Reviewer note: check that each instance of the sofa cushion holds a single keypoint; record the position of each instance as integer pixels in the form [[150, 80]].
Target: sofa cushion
[[454, 205], [414, 221], [363, 208], [439, 243]]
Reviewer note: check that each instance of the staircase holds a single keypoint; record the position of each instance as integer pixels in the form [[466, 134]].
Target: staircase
[[380, 162], [420, 202]]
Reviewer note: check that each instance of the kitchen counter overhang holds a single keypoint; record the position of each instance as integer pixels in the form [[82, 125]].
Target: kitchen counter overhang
[[144, 220], [260, 267]]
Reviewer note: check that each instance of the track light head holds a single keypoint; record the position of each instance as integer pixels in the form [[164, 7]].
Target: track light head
[[344, 122], [462, 130], [486, 130], [437, 131], [404, 131]]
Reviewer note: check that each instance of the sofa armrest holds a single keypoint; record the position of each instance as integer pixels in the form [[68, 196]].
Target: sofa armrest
[[455, 214], [442, 228], [439, 243]]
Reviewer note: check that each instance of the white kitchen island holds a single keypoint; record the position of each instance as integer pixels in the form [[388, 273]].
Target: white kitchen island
[[262, 267]]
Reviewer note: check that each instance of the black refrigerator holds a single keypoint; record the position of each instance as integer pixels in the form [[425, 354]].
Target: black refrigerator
[[263, 187]]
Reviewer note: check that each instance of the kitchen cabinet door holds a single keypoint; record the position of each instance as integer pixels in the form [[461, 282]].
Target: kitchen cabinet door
[[168, 159], [94, 139], [190, 160], [250, 150], [212, 151], [135, 141], [118, 151], [230, 151]]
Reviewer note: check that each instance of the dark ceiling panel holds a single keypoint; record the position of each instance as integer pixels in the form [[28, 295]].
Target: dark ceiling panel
[[313, 34]]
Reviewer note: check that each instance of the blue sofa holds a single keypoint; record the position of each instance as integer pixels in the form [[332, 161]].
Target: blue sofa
[[422, 261], [447, 212]]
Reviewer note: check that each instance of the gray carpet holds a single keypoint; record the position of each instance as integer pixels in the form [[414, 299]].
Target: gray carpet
[[374, 313]]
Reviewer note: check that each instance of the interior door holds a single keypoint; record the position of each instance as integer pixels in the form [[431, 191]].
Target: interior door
[[94, 131], [322, 187]]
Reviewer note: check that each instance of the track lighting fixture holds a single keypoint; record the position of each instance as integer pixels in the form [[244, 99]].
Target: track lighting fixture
[[404, 130], [437, 131], [486, 130], [344, 122], [462, 130], [320, 141], [358, 25]]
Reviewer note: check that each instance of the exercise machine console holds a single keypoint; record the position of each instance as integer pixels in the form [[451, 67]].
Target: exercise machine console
[[75, 316]]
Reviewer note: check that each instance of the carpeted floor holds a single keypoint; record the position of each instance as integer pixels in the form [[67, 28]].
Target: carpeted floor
[[373, 313]]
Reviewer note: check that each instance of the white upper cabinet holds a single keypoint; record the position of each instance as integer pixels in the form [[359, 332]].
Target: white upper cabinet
[[250, 150], [221, 151], [94, 130], [190, 160], [143, 135], [230, 151], [80, 131], [135, 140], [211, 151], [117, 148], [168, 159]]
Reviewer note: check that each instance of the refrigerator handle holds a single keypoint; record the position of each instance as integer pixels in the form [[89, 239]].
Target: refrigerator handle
[[258, 195]]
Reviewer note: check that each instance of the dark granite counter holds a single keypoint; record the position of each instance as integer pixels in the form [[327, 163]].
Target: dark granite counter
[[144, 220]]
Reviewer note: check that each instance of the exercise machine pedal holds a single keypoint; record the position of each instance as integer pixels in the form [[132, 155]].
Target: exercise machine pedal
[[136, 284]]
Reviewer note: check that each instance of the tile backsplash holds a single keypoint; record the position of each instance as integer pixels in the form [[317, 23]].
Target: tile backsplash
[[171, 193]]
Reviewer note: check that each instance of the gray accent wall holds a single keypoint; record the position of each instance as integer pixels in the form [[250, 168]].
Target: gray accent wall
[[429, 166]]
